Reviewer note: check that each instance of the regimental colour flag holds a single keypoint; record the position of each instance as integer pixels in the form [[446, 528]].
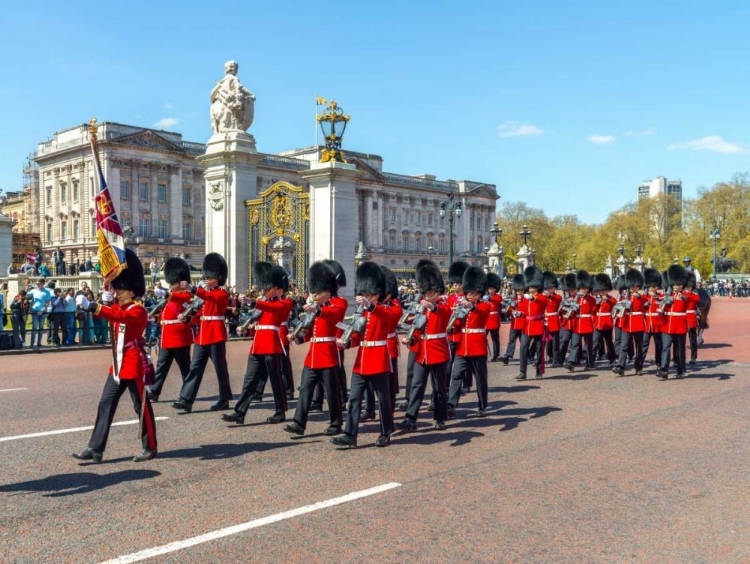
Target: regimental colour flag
[[108, 231]]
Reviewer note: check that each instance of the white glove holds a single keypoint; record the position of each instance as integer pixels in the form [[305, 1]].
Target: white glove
[[527, 296], [108, 297], [82, 302]]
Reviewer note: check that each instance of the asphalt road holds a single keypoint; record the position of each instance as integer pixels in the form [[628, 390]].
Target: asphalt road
[[581, 468]]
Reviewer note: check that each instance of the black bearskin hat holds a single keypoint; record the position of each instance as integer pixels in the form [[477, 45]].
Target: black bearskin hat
[[423, 262], [634, 278], [677, 275], [370, 279], [280, 278], [391, 284], [692, 281], [214, 266], [569, 282], [494, 281], [652, 277], [339, 270], [602, 283], [583, 279], [549, 280], [474, 280], [622, 283], [456, 272], [321, 278], [429, 278], [176, 270], [132, 277], [533, 277], [263, 275], [518, 282]]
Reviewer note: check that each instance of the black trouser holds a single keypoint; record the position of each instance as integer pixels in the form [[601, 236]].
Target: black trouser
[[181, 355], [108, 406], [436, 373], [18, 322], [310, 379], [621, 342], [59, 324], [341, 373], [693, 338], [603, 340], [380, 384], [515, 334], [262, 366], [533, 345], [393, 383], [679, 343], [631, 341], [410, 362], [657, 345], [286, 369], [495, 337], [475, 364], [575, 348], [553, 348], [217, 352], [565, 337]]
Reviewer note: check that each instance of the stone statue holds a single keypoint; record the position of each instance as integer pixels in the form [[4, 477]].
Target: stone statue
[[232, 105]]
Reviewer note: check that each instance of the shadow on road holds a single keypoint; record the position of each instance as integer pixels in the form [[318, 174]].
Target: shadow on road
[[512, 389], [223, 451], [714, 346], [428, 436], [76, 483]]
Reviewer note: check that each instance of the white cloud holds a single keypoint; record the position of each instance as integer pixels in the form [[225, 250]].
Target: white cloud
[[168, 106], [645, 133], [513, 129], [713, 143], [166, 123], [600, 139]]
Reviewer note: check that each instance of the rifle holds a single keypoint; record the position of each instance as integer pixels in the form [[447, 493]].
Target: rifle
[[191, 308], [158, 307], [301, 324], [667, 300], [410, 310], [253, 316], [356, 324], [624, 304], [459, 313], [569, 306], [418, 319]]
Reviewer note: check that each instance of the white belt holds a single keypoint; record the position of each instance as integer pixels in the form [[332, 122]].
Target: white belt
[[675, 314], [472, 330], [654, 314], [434, 336], [691, 311], [212, 318], [172, 321], [373, 343], [391, 335], [285, 324], [323, 339], [604, 314], [553, 314], [266, 327], [494, 313], [631, 313], [585, 315]]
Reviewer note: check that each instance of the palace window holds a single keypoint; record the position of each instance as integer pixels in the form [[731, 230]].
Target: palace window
[[429, 219], [76, 232], [124, 190], [393, 215], [187, 230], [162, 228], [63, 192], [405, 243], [49, 198], [92, 233], [75, 190], [392, 242], [418, 217], [162, 191], [418, 244], [442, 244], [431, 242], [186, 196], [442, 221], [63, 230], [143, 228], [49, 232], [143, 190], [406, 217]]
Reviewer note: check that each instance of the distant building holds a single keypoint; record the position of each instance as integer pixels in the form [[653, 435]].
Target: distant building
[[668, 191]]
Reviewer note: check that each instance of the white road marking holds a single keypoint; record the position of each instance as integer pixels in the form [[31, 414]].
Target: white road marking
[[14, 390], [233, 530], [74, 430]]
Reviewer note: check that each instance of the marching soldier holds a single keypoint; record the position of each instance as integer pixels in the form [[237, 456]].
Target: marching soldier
[[567, 315], [692, 314], [654, 312], [603, 324], [676, 326], [455, 278], [211, 341], [583, 323], [633, 323], [394, 348], [322, 360], [533, 330], [264, 359], [552, 316], [494, 285], [517, 312], [132, 366], [176, 334], [619, 317], [373, 363]]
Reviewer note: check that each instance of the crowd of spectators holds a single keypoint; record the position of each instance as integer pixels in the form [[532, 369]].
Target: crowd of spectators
[[730, 287]]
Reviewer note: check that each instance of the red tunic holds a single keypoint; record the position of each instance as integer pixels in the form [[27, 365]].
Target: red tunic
[[583, 323], [372, 355], [604, 314], [393, 344], [432, 346], [175, 333], [134, 317], [213, 329], [323, 352], [338, 301], [520, 305], [552, 312], [568, 323], [267, 338], [676, 322], [473, 334], [634, 319], [692, 308], [493, 320], [284, 328], [654, 319], [455, 335], [535, 315]]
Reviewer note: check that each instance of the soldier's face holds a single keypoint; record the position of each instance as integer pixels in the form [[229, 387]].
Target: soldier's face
[[473, 296], [430, 295], [492, 291], [211, 282]]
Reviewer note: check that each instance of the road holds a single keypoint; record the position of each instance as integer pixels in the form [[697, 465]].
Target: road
[[572, 468]]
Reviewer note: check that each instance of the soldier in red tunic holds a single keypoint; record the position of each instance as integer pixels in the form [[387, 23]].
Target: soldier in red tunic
[[373, 362], [552, 317], [132, 362], [633, 323], [429, 350], [653, 312], [603, 322], [264, 359], [567, 315], [176, 334], [394, 348], [455, 279], [517, 312], [676, 325], [583, 323], [692, 315], [533, 330], [494, 285], [322, 358], [211, 341]]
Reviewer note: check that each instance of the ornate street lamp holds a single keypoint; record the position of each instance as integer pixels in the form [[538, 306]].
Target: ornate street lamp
[[450, 207], [525, 233], [715, 235], [496, 232], [333, 124]]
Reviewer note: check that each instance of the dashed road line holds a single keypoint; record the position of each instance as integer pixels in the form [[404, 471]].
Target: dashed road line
[[13, 390], [73, 430]]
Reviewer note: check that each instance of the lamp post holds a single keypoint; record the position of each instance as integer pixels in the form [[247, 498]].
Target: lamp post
[[496, 232], [450, 207], [429, 251], [486, 265], [333, 124], [715, 235], [525, 233], [575, 256]]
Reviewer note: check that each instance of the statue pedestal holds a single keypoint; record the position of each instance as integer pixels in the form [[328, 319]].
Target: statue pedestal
[[525, 258], [334, 217], [231, 166], [609, 268], [495, 260]]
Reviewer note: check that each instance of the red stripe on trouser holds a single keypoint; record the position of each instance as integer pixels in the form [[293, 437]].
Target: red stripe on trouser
[[148, 418]]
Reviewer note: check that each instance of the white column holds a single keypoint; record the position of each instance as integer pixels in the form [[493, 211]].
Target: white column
[[369, 228], [175, 202], [153, 199], [135, 197]]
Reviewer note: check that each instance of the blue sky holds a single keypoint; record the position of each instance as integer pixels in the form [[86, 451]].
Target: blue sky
[[565, 105]]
